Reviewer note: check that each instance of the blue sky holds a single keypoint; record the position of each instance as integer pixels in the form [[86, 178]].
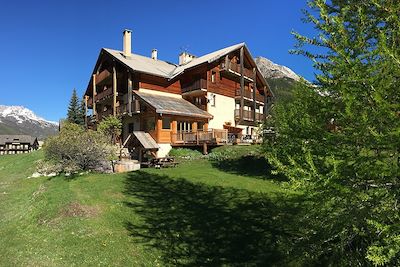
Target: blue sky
[[50, 47]]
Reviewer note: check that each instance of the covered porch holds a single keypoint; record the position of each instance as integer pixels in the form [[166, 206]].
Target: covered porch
[[177, 122]]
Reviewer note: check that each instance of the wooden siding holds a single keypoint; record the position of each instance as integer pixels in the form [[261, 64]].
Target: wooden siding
[[159, 84]]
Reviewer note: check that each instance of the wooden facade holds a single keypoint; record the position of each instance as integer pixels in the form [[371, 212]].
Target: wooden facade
[[112, 87]]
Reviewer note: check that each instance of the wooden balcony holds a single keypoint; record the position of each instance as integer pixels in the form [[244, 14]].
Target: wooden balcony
[[124, 108], [248, 115], [102, 76], [212, 136], [259, 117], [235, 69], [246, 94], [200, 84], [106, 93], [104, 114], [249, 95], [259, 98]]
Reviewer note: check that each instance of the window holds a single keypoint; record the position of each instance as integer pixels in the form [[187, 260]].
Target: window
[[166, 123], [184, 126], [200, 126], [213, 76]]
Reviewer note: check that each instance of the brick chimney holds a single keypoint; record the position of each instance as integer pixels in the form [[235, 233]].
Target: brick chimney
[[127, 43]]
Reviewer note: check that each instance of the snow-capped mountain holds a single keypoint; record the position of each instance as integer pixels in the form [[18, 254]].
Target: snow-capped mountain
[[270, 70], [20, 120]]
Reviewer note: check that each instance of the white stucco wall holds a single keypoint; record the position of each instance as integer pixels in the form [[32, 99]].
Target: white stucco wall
[[224, 111], [163, 150]]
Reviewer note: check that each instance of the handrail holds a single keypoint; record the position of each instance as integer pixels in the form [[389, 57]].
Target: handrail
[[197, 137]]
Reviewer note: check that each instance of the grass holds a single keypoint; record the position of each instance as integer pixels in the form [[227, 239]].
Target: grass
[[200, 213]]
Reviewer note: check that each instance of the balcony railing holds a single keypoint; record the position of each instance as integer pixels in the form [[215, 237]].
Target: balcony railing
[[249, 115], [103, 94], [124, 108], [236, 68], [212, 136], [259, 116], [249, 95], [102, 76], [260, 98], [246, 94], [195, 85], [106, 113]]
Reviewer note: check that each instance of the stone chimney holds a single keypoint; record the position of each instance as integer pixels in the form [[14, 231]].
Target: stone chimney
[[154, 54], [127, 43], [185, 57]]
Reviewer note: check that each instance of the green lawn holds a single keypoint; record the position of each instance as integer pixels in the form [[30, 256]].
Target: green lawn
[[231, 212]]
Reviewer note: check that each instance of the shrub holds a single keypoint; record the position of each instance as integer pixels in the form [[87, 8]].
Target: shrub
[[233, 152], [185, 153], [76, 149]]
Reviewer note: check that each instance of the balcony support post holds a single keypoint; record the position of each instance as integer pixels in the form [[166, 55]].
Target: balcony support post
[[114, 84], [94, 95], [254, 94], [265, 103], [241, 84], [158, 128], [205, 152], [129, 93], [86, 109], [174, 128]]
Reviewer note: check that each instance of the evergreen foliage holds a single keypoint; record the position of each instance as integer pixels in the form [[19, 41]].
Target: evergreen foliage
[[340, 140], [76, 110], [111, 127]]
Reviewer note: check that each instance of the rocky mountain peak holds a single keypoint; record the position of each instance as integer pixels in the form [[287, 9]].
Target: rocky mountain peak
[[270, 70]]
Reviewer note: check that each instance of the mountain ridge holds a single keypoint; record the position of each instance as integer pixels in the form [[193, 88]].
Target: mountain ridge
[[21, 120]]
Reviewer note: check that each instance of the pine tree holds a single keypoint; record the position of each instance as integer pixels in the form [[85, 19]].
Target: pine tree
[[340, 140], [76, 110]]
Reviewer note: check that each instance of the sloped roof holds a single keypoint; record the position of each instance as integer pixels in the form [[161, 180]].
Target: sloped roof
[[172, 105], [146, 140], [206, 58], [165, 69], [144, 64], [4, 139]]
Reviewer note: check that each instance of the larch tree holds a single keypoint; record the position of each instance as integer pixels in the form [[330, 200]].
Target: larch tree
[[339, 140]]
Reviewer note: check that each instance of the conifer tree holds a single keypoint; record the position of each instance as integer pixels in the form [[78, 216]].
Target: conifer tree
[[340, 140], [75, 110]]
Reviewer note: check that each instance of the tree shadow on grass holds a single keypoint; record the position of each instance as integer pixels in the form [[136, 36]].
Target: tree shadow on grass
[[250, 165], [200, 225]]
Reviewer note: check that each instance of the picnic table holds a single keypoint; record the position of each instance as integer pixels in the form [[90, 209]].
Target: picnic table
[[164, 162]]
